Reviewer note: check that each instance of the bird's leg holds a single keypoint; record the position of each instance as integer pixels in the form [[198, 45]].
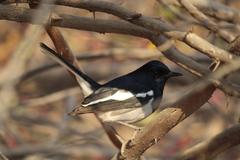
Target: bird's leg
[[136, 128], [115, 132], [126, 143], [119, 137]]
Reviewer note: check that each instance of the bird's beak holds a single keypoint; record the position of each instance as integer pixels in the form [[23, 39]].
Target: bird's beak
[[174, 74]]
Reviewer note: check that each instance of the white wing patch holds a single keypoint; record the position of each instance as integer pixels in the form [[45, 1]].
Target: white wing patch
[[120, 95], [132, 115], [149, 93]]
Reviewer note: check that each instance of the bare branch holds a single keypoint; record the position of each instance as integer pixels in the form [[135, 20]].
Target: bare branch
[[149, 28], [57, 149], [202, 45], [197, 69], [62, 20], [108, 25], [165, 121], [56, 96], [211, 148], [2, 157], [156, 25], [235, 46], [205, 21], [190, 38], [213, 8], [103, 26], [16, 66], [189, 101]]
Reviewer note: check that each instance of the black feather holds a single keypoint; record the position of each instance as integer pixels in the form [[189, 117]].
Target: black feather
[[57, 57]]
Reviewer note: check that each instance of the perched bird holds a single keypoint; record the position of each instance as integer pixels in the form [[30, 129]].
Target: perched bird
[[126, 99]]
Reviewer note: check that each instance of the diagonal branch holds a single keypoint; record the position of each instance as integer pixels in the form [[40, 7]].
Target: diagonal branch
[[184, 106], [211, 148], [165, 121], [212, 8], [205, 21]]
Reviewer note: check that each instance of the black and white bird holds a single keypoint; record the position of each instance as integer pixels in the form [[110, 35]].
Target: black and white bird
[[126, 99]]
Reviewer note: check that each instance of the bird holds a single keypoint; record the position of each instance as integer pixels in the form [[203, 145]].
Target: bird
[[126, 99]]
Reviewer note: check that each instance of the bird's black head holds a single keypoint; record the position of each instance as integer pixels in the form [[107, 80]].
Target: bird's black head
[[157, 70]]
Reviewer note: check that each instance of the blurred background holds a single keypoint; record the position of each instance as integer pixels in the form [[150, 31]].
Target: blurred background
[[38, 127]]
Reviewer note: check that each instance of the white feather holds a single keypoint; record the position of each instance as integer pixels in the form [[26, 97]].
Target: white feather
[[85, 86], [120, 95], [149, 93], [129, 115]]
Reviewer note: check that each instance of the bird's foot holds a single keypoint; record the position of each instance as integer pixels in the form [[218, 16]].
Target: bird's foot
[[125, 145]]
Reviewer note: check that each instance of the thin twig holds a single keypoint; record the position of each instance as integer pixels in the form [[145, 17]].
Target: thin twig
[[214, 9], [205, 21], [56, 96], [3, 157]]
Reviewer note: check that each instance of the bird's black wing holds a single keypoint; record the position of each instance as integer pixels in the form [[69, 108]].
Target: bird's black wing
[[109, 99]]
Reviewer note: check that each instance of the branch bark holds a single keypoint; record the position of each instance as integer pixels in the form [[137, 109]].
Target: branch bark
[[214, 146], [184, 106], [157, 25], [116, 26], [165, 121], [212, 8], [179, 110], [18, 14], [206, 22]]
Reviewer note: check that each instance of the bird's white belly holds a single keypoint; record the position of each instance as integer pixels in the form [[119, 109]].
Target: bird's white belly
[[128, 115]]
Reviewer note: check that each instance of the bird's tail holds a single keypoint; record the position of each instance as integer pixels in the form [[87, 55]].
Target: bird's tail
[[70, 67], [80, 110]]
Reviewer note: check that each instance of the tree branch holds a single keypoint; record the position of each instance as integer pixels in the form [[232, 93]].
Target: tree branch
[[185, 105], [211, 148], [165, 121], [212, 8], [206, 22], [116, 26], [13, 13], [157, 25]]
